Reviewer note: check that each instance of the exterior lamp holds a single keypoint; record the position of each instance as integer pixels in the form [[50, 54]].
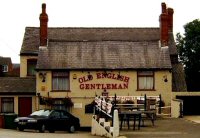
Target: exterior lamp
[[38, 94], [119, 76], [90, 77], [74, 76], [165, 78], [105, 93]]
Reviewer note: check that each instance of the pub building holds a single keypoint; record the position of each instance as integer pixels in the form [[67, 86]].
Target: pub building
[[76, 64]]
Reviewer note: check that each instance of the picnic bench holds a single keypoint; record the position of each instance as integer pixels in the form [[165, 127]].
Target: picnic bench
[[132, 115]]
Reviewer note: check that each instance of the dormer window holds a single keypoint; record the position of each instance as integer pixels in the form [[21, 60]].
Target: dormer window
[[4, 68], [31, 65]]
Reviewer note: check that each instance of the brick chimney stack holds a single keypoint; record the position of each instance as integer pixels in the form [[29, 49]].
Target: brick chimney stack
[[166, 24], [170, 19], [43, 26]]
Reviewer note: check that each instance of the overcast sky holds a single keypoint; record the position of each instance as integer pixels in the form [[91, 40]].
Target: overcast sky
[[15, 15]]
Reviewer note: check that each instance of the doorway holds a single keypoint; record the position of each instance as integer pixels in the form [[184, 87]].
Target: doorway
[[25, 106]]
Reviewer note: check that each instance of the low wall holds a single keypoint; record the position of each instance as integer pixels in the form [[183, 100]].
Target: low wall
[[174, 94], [176, 108]]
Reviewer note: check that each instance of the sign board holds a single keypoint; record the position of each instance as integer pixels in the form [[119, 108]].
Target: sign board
[[78, 105]]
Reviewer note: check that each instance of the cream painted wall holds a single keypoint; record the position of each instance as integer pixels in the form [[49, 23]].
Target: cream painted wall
[[82, 97], [43, 87], [16, 104], [23, 64]]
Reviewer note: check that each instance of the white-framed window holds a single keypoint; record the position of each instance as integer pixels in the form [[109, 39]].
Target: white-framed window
[[7, 105], [60, 81], [145, 80], [4, 68]]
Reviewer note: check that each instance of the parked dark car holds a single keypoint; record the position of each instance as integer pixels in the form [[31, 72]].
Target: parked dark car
[[50, 120]]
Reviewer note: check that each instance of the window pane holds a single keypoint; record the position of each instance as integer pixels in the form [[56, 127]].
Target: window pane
[[144, 73], [58, 104], [31, 65], [60, 74], [55, 84], [4, 68], [142, 82], [7, 105], [145, 80], [149, 82], [60, 81]]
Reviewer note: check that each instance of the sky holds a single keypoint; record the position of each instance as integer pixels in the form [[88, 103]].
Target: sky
[[15, 15]]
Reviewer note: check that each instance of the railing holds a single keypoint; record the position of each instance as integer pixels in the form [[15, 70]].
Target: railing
[[107, 104], [103, 106], [142, 102]]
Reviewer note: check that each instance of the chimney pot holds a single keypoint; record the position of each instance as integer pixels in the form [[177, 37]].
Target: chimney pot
[[43, 5], [163, 5]]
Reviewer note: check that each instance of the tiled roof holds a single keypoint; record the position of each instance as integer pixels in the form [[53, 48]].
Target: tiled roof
[[104, 55], [172, 45], [31, 37], [16, 85], [178, 78], [5, 61]]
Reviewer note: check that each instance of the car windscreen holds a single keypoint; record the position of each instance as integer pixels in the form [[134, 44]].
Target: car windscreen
[[41, 113]]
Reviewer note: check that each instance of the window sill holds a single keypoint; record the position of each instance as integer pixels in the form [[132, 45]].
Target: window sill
[[60, 91], [145, 90], [7, 112], [31, 76]]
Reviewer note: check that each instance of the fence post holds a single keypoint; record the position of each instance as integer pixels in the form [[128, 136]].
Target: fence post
[[181, 109], [115, 100], [145, 102], [159, 111], [116, 124], [113, 108]]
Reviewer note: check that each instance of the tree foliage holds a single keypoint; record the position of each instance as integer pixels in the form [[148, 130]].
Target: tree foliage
[[188, 46]]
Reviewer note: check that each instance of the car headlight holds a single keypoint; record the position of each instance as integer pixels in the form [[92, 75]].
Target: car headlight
[[16, 120], [32, 121]]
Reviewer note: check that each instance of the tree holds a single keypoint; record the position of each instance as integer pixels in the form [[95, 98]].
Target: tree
[[188, 47]]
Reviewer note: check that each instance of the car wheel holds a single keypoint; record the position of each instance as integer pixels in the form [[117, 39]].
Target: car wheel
[[72, 129], [42, 128], [21, 128]]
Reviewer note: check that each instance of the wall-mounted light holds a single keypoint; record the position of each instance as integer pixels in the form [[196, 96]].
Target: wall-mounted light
[[105, 74], [38, 94], [90, 77], [74, 76], [42, 75], [165, 78], [119, 76], [105, 93]]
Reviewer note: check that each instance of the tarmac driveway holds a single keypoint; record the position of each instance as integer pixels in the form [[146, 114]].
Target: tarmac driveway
[[8, 133], [164, 128]]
